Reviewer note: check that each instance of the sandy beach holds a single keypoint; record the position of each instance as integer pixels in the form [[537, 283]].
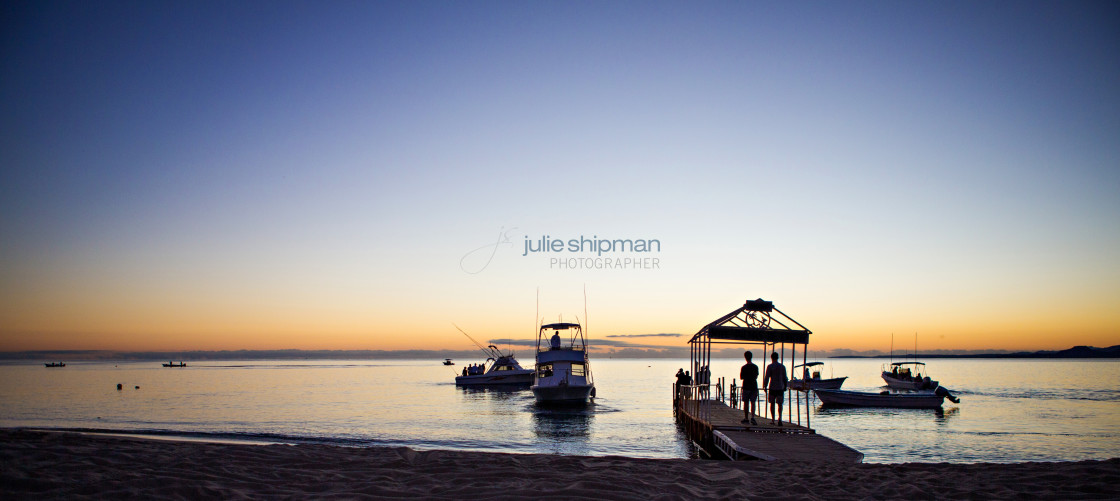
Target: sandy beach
[[55, 465]]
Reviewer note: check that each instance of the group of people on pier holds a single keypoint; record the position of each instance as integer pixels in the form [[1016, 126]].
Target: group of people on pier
[[775, 380]]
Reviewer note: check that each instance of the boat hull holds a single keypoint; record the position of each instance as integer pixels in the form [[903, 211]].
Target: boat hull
[[506, 378], [923, 400], [570, 394], [818, 384]]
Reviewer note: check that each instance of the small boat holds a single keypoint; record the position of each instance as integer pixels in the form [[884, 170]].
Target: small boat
[[814, 381], [563, 374], [902, 377], [902, 400], [447, 361], [55, 364], [173, 364]]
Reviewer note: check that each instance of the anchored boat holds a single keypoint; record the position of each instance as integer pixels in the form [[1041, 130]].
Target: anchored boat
[[902, 377], [563, 374], [499, 369], [903, 400], [503, 369], [813, 381]]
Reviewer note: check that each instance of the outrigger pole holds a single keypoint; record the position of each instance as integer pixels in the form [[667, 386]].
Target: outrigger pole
[[491, 352]]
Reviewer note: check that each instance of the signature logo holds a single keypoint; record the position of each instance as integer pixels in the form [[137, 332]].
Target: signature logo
[[478, 259]]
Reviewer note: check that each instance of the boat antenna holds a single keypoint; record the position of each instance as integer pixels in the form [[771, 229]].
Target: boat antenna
[[536, 319], [584, 329], [476, 343], [892, 347]]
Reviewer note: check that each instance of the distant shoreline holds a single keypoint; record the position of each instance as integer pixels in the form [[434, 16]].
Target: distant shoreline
[[1078, 352]]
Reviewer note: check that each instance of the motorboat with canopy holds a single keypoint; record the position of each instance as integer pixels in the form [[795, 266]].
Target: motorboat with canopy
[[908, 376], [811, 378], [563, 372]]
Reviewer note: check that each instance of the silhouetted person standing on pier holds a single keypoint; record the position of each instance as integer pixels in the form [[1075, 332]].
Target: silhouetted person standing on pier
[[749, 375], [775, 382]]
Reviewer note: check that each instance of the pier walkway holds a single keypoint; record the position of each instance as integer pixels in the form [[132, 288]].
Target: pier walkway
[[718, 429]]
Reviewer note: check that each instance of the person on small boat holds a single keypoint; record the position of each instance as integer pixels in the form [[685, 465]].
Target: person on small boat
[[775, 382], [464, 370], [749, 375], [555, 340]]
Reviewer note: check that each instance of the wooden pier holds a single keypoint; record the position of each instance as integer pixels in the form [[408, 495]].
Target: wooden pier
[[718, 429]]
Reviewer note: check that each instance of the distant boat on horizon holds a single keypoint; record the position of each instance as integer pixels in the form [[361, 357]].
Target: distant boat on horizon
[[173, 364], [54, 364]]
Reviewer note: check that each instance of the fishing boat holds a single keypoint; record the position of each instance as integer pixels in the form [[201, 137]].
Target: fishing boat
[[447, 361], [54, 364], [899, 400], [563, 374], [499, 369], [908, 376], [813, 381], [173, 364]]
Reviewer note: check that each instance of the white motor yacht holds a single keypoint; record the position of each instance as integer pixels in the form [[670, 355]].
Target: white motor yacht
[[563, 374]]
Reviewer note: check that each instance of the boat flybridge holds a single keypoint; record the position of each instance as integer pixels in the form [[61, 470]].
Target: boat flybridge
[[563, 374]]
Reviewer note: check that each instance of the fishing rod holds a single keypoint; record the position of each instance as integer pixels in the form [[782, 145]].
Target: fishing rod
[[484, 349]]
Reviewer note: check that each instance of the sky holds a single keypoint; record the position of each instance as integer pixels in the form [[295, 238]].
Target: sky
[[366, 175]]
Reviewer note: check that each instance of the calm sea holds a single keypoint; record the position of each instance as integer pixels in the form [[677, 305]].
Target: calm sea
[[1011, 410]]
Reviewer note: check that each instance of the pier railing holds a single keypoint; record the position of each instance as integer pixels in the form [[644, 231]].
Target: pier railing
[[696, 399]]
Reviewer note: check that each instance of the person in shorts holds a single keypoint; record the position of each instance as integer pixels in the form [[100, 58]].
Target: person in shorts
[[775, 382], [749, 375]]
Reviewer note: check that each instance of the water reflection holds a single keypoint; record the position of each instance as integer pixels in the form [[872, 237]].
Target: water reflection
[[502, 391], [943, 415], [839, 411], [563, 430]]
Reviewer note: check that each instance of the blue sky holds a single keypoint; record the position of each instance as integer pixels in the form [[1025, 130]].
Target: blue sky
[[297, 174]]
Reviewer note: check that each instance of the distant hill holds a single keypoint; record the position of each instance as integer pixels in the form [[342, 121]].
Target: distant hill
[[1075, 352], [470, 356]]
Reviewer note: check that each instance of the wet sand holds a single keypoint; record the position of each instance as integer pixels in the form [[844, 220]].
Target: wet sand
[[56, 465]]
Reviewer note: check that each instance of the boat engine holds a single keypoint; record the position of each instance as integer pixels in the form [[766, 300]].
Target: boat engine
[[945, 393]]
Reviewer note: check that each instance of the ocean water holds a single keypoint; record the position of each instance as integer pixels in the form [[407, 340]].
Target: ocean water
[[1011, 410]]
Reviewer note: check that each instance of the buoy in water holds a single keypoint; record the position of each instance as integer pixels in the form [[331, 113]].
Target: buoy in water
[[119, 386]]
